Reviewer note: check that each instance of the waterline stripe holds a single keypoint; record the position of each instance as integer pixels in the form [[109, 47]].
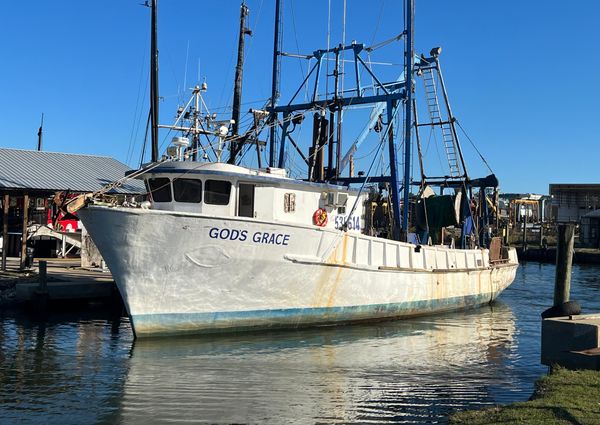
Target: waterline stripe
[[233, 321]]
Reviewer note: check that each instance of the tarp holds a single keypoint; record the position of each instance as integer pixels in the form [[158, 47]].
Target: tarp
[[436, 212]]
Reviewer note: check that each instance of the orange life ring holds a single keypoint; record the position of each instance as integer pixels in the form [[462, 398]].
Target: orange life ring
[[320, 217]]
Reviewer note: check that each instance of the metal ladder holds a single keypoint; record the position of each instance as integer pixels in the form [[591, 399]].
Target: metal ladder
[[433, 106]]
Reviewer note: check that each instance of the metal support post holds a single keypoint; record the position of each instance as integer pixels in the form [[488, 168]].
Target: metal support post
[[284, 130], [394, 174]]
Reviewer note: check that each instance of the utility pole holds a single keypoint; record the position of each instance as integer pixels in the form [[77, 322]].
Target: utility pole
[[235, 146]]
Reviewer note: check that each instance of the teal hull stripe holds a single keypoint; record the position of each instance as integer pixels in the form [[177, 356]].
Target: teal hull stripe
[[232, 321]]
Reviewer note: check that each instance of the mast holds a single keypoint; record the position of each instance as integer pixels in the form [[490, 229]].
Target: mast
[[277, 43], [154, 82], [338, 143], [409, 52], [236, 144]]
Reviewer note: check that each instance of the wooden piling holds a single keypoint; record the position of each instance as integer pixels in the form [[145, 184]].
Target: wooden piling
[[6, 205], [24, 232], [564, 261], [525, 235], [43, 274]]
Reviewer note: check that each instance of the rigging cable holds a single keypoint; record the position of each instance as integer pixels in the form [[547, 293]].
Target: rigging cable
[[383, 137], [474, 147], [296, 40], [145, 140], [137, 115]]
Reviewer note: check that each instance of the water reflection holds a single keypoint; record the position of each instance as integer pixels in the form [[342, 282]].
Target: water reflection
[[405, 371], [83, 368], [58, 369]]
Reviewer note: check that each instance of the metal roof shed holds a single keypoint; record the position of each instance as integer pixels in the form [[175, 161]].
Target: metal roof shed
[[23, 170], [38, 173]]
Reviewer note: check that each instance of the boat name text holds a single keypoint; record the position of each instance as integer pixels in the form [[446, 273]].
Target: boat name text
[[242, 235]]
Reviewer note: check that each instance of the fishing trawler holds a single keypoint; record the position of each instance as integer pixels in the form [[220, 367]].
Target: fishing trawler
[[221, 247]]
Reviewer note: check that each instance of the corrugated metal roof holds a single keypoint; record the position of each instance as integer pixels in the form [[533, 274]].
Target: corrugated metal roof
[[25, 169]]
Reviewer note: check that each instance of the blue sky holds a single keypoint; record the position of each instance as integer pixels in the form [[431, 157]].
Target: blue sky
[[522, 76]]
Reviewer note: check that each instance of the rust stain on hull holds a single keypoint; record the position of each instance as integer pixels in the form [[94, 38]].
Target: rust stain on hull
[[330, 277]]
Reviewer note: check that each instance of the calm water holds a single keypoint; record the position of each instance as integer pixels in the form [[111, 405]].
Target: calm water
[[84, 368]]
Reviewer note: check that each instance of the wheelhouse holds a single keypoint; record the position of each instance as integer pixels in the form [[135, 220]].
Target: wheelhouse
[[225, 190]]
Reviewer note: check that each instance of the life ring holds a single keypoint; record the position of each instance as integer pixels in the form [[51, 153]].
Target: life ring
[[320, 217]]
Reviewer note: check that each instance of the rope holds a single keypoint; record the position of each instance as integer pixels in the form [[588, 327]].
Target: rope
[[384, 43]]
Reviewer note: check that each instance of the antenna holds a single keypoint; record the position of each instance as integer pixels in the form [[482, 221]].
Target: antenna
[[39, 147], [187, 56]]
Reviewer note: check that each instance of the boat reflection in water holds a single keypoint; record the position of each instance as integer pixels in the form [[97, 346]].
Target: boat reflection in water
[[405, 371]]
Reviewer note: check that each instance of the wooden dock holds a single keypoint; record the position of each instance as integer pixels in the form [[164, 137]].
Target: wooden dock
[[65, 280]]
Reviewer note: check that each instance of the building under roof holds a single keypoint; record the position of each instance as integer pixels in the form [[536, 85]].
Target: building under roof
[[572, 201], [29, 179], [35, 171]]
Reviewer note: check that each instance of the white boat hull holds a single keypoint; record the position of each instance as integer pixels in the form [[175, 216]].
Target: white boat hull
[[184, 273]]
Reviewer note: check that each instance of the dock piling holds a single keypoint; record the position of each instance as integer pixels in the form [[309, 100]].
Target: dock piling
[[564, 262], [43, 273], [524, 235], [23, 263], [5, 206]]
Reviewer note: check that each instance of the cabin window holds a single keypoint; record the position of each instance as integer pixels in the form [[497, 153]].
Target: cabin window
[[289, 202], [246, 200], [160, 189], [187, 190], [216, 192]]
